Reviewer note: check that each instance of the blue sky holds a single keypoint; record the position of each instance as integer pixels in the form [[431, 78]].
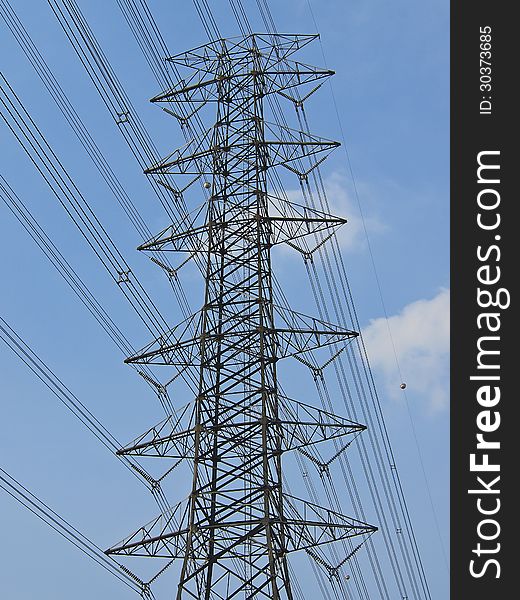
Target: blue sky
[[391, 90]]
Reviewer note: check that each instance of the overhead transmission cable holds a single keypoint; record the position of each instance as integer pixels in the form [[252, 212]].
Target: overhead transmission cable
[[40, 509], [70, 114], [63, 187], [27, 220], [116, 100], [74, 203], [24, 216], [38, 62], [383, 304], [382, 300], [56, 386], [114, 97]]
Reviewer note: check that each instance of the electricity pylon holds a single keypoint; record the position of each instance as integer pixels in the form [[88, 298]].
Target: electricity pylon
[[234, 532]]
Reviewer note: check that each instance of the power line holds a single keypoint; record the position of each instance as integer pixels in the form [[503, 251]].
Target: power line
[[31, 502], [49, 378], [77, 208], [381, 297]]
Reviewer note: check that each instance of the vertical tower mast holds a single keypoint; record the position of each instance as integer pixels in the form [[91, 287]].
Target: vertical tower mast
[[235, 530], [237, 473]]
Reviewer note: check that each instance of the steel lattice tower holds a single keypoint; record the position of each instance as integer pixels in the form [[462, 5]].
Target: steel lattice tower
[[236, 528]]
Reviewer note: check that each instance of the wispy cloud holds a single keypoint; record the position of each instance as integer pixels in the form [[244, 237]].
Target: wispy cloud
[[421, 337], [351, 236]]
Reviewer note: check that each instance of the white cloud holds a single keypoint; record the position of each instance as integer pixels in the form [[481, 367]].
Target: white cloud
[[351, 236], [421, 334]]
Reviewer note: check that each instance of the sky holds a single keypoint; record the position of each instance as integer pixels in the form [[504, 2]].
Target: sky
[[392, 98]]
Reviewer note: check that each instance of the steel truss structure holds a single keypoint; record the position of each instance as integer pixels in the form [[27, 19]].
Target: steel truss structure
[[234, 532]]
